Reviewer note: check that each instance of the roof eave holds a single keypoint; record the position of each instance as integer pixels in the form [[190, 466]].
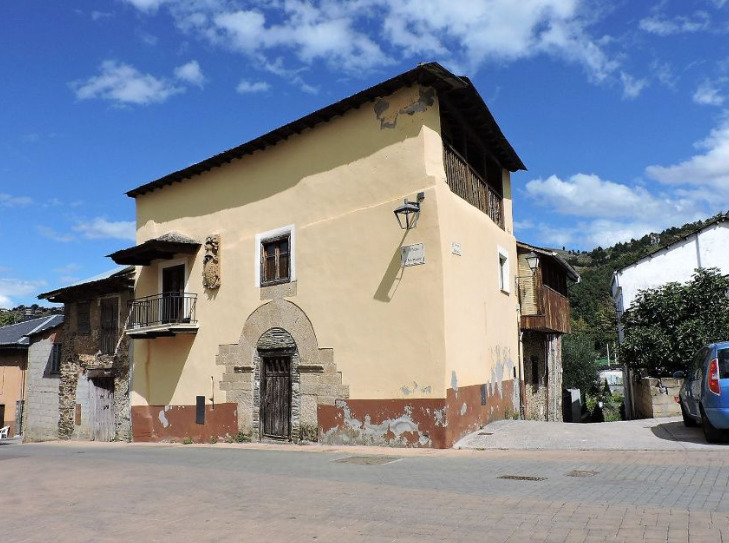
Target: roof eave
[[429, 74]]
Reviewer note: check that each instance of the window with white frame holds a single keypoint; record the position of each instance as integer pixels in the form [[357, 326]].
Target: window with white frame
[[275, 257], [503, 270]]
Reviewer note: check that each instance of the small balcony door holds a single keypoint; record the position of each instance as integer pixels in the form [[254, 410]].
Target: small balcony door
[[173, 287]]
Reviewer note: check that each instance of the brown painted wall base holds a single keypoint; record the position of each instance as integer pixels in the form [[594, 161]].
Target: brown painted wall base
[[437, 423], [466, 414], [397, 423], [177, 422]]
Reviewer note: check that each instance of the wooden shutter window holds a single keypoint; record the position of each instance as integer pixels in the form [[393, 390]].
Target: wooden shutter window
[[275, 261], [83, 318]]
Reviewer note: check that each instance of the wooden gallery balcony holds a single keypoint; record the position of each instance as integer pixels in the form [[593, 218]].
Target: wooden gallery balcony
[[549, 313], [467, 183], [162, 315]]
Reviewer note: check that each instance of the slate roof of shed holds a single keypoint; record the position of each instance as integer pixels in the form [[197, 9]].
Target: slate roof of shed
[[18, 335]]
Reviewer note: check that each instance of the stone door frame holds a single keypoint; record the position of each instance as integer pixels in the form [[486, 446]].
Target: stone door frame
[[314, 377]]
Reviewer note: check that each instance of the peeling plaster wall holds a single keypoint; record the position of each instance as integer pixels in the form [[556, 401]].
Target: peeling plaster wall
[[393, 423]]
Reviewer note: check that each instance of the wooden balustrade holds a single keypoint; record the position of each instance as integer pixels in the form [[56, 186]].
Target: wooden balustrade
[[469, 185]]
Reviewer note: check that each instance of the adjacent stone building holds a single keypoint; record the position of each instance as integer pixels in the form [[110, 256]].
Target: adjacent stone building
[[545, 317], [92, 385], [348, 277]]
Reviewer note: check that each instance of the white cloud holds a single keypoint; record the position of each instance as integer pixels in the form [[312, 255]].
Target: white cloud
[[99, 228], [99, 15], [710, 168], [585, 195], [604, 212], [50, 233], [607, 212], [245, 87], [8, 200], [707, 94], [11, 289], [356, 36], [663, 26], [190, 73], [632, 87], [525, 224], [124, 84], [309, 32], [149, 6]]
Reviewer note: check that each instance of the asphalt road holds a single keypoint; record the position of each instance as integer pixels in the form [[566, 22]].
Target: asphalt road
[[78, 492]]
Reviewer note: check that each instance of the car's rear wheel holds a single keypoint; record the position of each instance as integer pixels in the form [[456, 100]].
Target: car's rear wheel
[[712, 435], [687, 420]]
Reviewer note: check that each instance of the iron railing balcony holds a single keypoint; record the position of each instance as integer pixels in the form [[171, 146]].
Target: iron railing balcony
[[166, 314]]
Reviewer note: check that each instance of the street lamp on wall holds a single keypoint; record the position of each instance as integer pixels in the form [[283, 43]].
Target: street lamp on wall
[[533, 261], [408, 213]]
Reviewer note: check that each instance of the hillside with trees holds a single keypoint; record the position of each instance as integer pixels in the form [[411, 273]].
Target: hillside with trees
[[592, 309], [22, 313]]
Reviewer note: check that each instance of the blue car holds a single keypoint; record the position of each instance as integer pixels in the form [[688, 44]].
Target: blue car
[[704, 396]]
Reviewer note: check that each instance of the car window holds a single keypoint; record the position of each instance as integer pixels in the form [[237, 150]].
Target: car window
[[697, 363], [723, 356]]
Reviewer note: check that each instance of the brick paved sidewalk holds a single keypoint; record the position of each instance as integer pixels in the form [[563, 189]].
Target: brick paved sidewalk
[[78, 492]]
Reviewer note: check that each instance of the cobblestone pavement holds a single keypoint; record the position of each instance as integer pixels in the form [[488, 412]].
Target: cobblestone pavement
[[79, 492]]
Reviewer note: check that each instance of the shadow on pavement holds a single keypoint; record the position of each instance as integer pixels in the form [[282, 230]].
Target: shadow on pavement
[[677, 431]]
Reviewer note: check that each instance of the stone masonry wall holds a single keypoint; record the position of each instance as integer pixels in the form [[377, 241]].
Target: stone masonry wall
[[81, 354], [655, 398]]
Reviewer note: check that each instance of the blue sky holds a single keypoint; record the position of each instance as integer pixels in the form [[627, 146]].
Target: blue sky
[[619, 109]]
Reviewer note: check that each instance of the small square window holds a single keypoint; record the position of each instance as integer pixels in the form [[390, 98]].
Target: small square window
[[83, 318], [275, 260], [55, 359]]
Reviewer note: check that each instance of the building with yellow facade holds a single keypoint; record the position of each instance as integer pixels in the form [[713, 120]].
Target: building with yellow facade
[[346, 278]]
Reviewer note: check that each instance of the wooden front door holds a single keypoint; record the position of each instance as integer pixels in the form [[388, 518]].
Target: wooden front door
[[102, 409], [276, 397]]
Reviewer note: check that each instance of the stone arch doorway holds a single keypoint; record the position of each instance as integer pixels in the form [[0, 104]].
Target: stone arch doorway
[[280, 326]]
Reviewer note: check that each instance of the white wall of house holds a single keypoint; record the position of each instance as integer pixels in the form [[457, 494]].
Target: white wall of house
[[677, 262]]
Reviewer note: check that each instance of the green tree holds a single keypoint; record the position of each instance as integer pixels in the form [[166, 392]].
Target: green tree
[[578, 362], [667, 325]]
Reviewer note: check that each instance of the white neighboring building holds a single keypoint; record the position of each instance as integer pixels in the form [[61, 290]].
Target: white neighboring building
[[703, 248]]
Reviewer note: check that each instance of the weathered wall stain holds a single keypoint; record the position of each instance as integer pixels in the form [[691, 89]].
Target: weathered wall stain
[[395, 423], [407, 390], [163, 418], [387, 113]]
